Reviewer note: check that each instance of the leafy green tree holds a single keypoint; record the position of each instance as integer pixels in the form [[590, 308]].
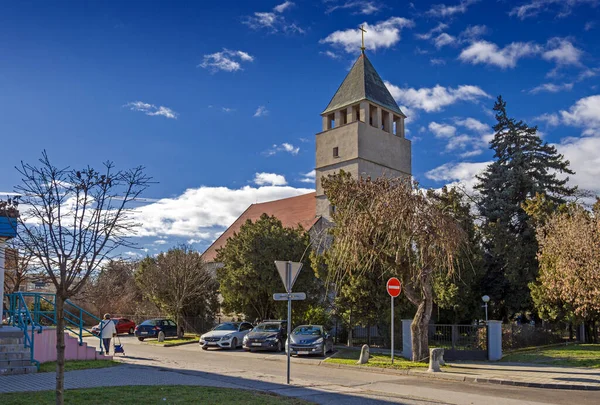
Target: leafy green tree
[[178, 282], [524, 165], [458, 293], [249, 278]]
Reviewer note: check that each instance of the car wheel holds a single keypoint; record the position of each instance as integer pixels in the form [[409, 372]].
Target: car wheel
[[234, 344], [279, 346], [141, 339], [131, 331], [204, 347]]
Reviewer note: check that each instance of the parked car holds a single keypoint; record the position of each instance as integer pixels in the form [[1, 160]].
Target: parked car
[[122, 325], [309, 339], [268, 335], [151, 328], [227, 335]]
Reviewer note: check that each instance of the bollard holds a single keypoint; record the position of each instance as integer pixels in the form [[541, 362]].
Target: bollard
[[434, 360], [364, 355]]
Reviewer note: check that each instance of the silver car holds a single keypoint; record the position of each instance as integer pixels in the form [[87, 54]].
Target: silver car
[[310, 339]]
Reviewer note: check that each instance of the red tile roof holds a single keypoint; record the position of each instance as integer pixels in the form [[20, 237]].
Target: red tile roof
[[290, 211]]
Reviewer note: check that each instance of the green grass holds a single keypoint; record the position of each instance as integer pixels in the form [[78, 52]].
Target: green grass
[[350, 357], [78, 365], [152, 395], [586, 355], [174, 341]]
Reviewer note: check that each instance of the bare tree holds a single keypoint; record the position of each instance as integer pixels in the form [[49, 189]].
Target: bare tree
[[390, 226], [178, 280], [71, 221], [19, 267]]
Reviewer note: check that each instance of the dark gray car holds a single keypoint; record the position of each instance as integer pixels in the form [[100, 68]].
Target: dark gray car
[[310, 339]]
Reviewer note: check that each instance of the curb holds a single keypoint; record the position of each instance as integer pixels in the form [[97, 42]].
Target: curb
[[462, 378], [173, 344]]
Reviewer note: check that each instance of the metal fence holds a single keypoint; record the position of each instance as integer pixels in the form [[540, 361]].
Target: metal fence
[[516, 336], [372, 335], [461, 342]]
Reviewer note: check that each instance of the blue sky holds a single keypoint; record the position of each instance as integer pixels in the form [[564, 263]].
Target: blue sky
[[221, 102]]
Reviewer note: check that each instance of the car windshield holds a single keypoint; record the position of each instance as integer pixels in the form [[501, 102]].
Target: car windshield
[[267, 327], [308, 330], [150, 322], [228, 326]]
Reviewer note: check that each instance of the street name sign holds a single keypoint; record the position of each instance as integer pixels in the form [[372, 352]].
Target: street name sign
[[297, 296]]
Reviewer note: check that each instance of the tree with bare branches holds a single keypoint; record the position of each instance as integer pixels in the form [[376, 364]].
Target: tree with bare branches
[[390, 225], [19, 267], [178, 280], [72, 221]]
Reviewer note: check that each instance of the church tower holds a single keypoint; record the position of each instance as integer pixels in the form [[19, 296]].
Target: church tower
[[363, 132]]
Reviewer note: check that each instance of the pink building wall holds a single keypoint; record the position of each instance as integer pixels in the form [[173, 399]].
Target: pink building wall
[[45, 348]]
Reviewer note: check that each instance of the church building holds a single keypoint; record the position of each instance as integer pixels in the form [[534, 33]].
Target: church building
[[362, 133]]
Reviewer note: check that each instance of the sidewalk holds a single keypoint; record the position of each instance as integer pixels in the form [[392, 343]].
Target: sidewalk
[[516, 374]]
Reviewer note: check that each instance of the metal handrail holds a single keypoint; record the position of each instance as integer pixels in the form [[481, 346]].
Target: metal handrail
[[20, 316], [73, 320]]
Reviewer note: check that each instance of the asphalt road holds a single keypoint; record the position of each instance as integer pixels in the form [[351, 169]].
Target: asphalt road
[[244, 368]]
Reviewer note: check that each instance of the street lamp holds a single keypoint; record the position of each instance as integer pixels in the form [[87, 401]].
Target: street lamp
[[485, 300]]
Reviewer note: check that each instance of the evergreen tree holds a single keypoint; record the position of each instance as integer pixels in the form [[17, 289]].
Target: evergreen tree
[[524, 166]]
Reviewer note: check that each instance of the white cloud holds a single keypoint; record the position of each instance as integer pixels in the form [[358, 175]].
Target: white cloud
[[284, 147], [561, 8], [589, 25], [273, 20], [361, 7], [437, 61], [474, 31], [462, 173], [151, 109], [227, 109], [550, 119], [473, 124], [562, 52], [484, 52], [226, 60], [330, 54], [384, 34], [201, 212], [309, 177], [261, 111], [269, 179], [429, 34], [583, 155], [551, 88], [435, 98], [160, 242], [444, 39], [283, 6], [442, 130], [584, 113], [443, 10]]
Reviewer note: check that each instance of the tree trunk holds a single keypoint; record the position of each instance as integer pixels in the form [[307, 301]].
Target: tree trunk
[[60, 349], [179, 325], [420, 325]]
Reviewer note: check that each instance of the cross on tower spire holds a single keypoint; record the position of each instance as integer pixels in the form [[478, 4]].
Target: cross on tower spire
[[363, 30]]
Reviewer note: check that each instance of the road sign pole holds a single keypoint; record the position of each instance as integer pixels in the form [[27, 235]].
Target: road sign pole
[[392, 330], [289, 322]]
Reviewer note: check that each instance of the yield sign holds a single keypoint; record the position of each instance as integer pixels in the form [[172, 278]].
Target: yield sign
[[294, 267], [393, 287]]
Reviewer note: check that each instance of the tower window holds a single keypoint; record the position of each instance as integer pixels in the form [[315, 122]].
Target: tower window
[[356, 113], [331, 121], [343, 117], [336, 152]]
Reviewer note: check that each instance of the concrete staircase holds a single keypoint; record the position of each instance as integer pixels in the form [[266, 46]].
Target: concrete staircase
[[14, 357]]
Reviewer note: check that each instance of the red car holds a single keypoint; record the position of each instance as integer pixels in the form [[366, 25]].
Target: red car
[[122, 325]]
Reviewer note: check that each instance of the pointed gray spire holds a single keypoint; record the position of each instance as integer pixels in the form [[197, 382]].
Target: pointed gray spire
[[362, 83]]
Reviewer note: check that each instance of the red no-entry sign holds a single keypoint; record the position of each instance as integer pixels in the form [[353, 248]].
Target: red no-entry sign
[[393, 287]]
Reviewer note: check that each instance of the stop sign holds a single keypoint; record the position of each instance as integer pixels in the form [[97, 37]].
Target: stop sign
[[393, 287]]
